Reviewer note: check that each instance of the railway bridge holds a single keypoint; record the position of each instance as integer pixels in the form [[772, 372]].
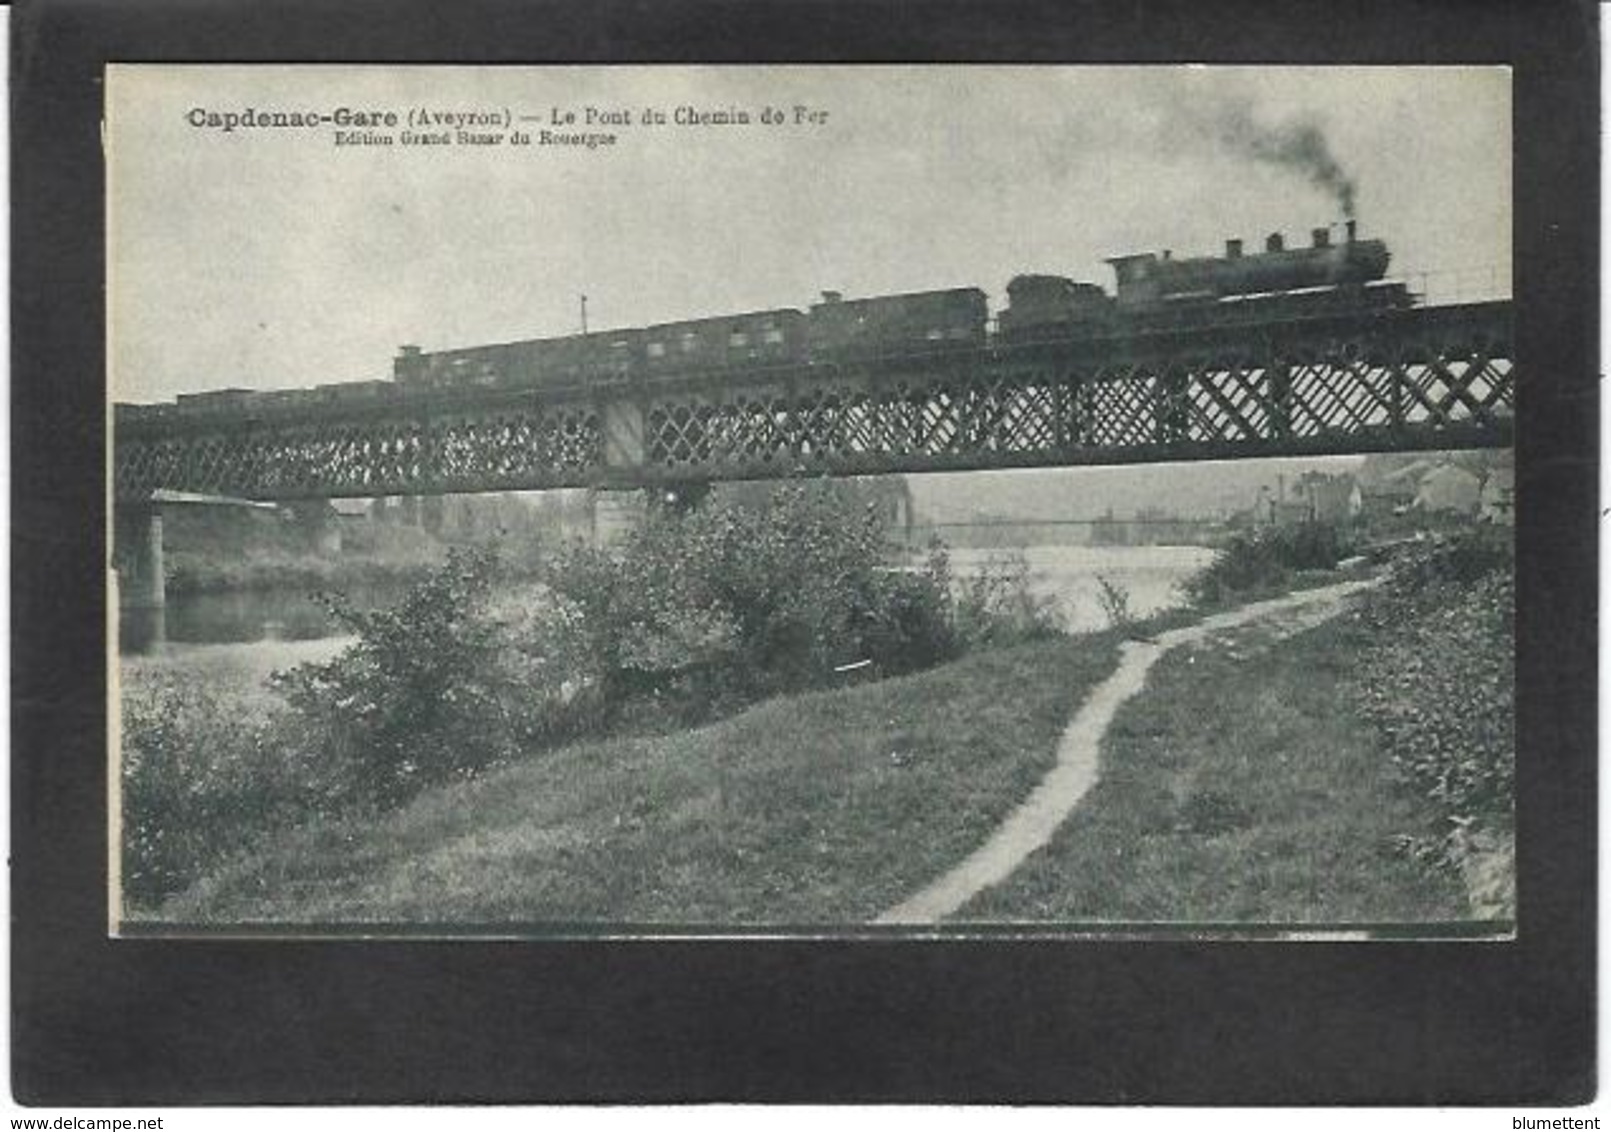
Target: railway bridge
[[1426, 378]]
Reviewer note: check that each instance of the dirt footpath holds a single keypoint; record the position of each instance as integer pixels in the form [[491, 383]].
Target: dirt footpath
[[1032, 824]]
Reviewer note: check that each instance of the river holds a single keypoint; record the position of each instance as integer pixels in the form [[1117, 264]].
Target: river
[[1149, 576], [252, 631], [268, 620]]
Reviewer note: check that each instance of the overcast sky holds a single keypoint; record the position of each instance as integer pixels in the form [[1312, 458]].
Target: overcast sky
[[273, 258]]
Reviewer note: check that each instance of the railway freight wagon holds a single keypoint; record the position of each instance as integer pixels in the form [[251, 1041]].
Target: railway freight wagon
[[917, 323]]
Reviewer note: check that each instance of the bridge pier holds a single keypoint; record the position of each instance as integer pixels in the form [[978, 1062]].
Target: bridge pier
[[433, 514], [615, 514], [320, 524], [137, 557]]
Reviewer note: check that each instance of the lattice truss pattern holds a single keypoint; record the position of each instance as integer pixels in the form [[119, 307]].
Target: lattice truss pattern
[[1442, 378], [1221, 403], [511, 448]]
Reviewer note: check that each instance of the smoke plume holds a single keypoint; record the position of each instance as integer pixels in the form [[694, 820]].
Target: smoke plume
[[1298, 146]]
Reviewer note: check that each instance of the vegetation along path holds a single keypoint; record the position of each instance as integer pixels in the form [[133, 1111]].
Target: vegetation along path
[[1032, 824]]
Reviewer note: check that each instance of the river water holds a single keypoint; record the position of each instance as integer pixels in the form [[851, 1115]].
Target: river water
[[1069, 575], [256, 628]]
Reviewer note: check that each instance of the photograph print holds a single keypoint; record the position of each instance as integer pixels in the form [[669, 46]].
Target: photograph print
[[811, 500]]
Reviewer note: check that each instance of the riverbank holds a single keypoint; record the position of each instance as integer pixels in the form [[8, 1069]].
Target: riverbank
[[813, 809], [1243, 786], [1079, 762], [1236, 788]]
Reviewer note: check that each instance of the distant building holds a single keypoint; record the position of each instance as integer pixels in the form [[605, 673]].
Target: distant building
[[1330, 499], [1391, 495], [1278, 509]]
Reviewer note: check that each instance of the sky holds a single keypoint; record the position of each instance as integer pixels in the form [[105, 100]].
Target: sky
[[273, 258]]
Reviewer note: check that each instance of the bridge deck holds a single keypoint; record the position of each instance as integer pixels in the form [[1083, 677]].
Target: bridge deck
[[1437, 377]]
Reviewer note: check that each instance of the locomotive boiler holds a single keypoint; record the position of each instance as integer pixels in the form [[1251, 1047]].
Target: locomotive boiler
[[1148, 280], [1156, 291]]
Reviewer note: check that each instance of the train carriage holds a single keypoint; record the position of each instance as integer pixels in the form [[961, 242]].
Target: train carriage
[[755, 338]]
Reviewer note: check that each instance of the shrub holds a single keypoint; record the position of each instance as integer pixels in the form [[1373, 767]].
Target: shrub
[[998, 606], [201, 778], [1115, 601], [1258, 560], [1439, 684], [729, 603], [433, 689]]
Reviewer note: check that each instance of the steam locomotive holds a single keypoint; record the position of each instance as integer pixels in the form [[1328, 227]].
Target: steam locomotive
[[1157, 291], [1152, 292]]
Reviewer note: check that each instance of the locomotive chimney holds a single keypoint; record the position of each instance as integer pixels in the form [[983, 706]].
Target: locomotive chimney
[[1352, 224], [1322, 237], [1275, 243], [1233, 249]]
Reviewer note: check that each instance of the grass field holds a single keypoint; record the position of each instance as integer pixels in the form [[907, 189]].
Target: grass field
[[821, 808], [1241, 786]]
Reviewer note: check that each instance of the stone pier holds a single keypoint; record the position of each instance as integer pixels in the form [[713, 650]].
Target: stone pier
[[616, 514], [137, 557], [321, 525]]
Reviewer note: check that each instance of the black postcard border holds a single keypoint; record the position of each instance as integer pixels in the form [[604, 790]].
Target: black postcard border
[[96, 1021]]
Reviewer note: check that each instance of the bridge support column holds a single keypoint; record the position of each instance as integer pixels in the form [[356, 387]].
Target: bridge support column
[[615, 514], [433, 514], [137, 557], [320, 524], [1280, 386]]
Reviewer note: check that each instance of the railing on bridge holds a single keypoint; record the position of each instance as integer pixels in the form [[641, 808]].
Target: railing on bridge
[[1433, 377]]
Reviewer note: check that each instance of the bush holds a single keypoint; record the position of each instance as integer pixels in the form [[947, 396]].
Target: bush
[[435, 688], [997, 606], [731, 603], [1440, 683], [1115, 601], [200, 779], [1260, 560]]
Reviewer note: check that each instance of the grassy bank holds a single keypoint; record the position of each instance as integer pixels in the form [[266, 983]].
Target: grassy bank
[[825, 807], [1243, 785]]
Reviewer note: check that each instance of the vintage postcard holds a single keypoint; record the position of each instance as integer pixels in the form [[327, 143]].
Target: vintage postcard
[[811, 500]]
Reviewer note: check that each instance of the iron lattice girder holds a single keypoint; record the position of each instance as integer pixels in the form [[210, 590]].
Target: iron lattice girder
[[1438, 377]]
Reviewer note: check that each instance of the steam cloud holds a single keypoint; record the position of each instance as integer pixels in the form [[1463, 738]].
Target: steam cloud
[[1298, 146]]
